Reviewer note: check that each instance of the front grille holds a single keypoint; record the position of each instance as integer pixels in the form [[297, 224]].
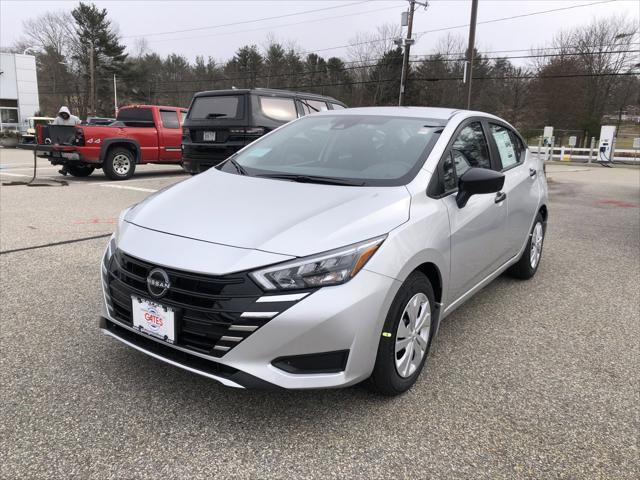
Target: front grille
[[209, 308], [211, 154]]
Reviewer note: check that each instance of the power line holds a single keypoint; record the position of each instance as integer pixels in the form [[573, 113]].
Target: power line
[[423, 79], [530, 14], [210, 27], [355, 67], [313, 20]]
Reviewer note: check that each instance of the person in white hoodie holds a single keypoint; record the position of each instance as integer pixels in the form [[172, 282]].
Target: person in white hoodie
[[65, 118]]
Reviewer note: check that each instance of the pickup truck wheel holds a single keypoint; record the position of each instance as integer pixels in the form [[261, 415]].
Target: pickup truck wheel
[[80, 170], [119, 164]]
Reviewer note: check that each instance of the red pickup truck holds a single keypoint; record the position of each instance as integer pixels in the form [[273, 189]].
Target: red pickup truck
[[140, 134]]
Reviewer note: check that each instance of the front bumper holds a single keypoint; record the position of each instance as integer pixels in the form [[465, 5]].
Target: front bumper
[[347, 317], [197, 158]]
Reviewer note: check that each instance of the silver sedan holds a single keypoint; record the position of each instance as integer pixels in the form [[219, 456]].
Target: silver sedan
[[327, 252]]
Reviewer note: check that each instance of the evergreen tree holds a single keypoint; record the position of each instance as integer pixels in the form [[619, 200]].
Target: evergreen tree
[[97, 43]]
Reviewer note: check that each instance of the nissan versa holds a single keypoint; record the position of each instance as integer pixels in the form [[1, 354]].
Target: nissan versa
[[327, 252]]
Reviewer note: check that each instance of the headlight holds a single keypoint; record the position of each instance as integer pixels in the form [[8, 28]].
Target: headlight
[[113, 240], [330, 268]]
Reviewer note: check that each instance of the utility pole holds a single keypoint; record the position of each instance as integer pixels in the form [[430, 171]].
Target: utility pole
[[470, 50], [407, 47], [91, 81], [115, 95]]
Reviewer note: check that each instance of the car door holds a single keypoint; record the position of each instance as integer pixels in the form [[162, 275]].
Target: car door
[[520, 183], [171, 136], [477, 238]]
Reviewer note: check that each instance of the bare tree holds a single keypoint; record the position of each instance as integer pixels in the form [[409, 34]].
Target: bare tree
[[51, 30], [364, 51]]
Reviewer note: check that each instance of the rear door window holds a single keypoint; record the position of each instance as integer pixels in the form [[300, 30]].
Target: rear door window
[[278, 108], [508, 150], [218, 107], [169, 119], [337, 106]]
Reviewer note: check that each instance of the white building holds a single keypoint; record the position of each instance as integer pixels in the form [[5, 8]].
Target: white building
[[18, 90]]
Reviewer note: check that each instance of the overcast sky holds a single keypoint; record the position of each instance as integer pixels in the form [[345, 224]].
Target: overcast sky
[[334, 23]]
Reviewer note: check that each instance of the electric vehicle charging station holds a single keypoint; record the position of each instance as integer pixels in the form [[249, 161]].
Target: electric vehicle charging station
[[547, 142], [606, 144]]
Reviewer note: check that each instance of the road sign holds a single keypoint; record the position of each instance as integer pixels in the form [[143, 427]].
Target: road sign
[[572, 140]]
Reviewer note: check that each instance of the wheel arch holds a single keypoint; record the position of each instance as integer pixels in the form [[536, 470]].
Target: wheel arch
[[544, 212], [432, 272], [129, 143]]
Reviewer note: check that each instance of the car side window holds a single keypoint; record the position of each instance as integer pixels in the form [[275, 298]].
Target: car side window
[[508, 150], [448, 174], [278, 108], [470, 149], [169, 119], [337, 106], [520, 147]]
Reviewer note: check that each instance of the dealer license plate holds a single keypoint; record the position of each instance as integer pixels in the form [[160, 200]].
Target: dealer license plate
[[154, 319], [208, 136]]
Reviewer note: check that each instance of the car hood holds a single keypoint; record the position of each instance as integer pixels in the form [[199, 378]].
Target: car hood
[[277, 216]]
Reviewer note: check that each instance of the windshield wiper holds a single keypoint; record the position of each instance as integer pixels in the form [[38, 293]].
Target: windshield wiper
[[312, 179], [239, 167], [216, 115]]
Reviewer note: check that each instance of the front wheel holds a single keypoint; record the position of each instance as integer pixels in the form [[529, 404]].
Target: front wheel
[[80, 170], [406, 337], [119, 164], [528, 264]]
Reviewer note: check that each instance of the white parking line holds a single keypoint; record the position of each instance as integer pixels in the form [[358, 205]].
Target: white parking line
[[124, 187], [15, 174], [28, 168], [147, 179]]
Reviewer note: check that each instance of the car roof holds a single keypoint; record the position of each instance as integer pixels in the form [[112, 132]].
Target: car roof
[[441, 115], [266, 91], [416, 112], [153, 106]]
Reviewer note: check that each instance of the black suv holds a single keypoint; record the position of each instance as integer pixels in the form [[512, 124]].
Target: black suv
[[221, 122]]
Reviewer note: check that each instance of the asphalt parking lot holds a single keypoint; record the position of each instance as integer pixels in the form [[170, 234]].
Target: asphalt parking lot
[[534, 379]]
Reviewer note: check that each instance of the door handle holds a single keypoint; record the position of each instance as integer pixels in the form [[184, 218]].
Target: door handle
[[533, 172], [500, 197]]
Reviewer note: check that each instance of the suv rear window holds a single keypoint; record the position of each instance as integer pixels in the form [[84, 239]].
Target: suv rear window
[[278, 108], [221, 106]]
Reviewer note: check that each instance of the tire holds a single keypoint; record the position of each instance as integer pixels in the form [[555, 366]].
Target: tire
[[120, 164], [529, 262], [188, 171], [397, 369], [80, 170]]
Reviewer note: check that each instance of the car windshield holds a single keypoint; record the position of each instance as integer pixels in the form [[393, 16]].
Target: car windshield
[[341, 149]]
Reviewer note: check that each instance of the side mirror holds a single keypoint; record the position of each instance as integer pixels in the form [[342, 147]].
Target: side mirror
[[477, 181]]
